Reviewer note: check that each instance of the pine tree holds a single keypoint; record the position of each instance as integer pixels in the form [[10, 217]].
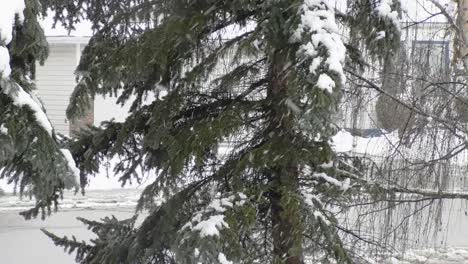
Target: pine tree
[[242, 155], [31, 156]]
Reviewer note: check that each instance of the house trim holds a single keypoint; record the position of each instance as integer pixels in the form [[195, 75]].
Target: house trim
[[67, 40]]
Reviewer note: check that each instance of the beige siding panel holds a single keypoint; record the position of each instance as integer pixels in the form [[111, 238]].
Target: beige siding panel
[[57, 100], [58, 71], [60, 89], [55, 83]]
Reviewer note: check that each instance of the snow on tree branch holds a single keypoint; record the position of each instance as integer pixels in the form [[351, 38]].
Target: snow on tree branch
[[385, 9], [71, 162], [11, 12], [222, 259], [22, 98], [211, 225], [318, 30], [5, 69], [8, 13]]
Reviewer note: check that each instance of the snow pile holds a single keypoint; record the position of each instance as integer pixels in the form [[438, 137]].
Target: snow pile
[[343, 141], [430, 256], [389, 143], [316, 29], [414, 256]]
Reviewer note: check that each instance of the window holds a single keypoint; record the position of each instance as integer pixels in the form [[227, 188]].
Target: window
[[430, 58]]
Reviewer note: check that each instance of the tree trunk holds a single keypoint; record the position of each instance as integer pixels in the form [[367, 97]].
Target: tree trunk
[[285, 216], [287, 246], [463, 27]]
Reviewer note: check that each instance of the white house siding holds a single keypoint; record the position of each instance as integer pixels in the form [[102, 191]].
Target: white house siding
[[55, 81]]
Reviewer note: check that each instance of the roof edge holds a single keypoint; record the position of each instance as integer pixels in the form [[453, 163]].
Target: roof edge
[[68, 39]]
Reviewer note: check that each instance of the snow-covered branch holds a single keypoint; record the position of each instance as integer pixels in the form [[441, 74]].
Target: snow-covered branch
[[318, 29], [13, 12], [361, 181]]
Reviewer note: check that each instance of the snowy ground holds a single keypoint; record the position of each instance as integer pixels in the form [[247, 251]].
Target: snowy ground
[[93, 199], [431, 256], [22, 242]]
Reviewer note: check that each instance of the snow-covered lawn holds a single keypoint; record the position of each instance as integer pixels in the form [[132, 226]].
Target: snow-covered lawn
[[16, 234], [93, 199], [432, 256], [22, 242]]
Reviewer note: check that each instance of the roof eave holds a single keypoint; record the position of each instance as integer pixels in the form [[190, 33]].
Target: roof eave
[[68, 39]]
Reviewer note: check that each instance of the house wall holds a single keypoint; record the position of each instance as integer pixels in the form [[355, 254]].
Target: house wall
[[55, 81]]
